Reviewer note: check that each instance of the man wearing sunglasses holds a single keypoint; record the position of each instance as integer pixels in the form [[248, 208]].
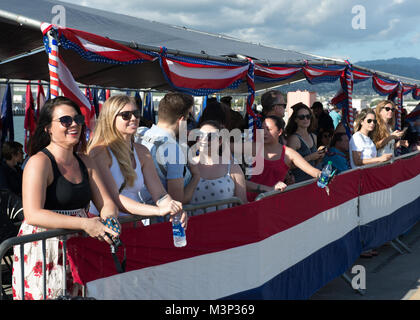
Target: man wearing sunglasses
[[273, 104], [178, 177]]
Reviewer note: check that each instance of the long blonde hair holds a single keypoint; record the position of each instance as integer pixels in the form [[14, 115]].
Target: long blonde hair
[[106, 134], [381, 128]]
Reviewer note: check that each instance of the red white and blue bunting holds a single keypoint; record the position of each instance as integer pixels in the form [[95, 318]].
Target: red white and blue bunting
[[201, 77]]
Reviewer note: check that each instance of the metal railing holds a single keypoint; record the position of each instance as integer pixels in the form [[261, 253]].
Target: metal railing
[[396, 243], [20, 241], [205, 206], [304, 183]]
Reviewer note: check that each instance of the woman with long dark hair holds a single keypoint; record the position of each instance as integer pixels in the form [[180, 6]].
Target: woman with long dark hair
[[300, 138], [277, 159], [59, 182], [220, 177]]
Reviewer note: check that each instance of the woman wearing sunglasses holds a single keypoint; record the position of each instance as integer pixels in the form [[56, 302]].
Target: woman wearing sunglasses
[[300, 138], [58, 184], [126, 167], [220, 177], [277, 159], [362, 150], [384, 136]]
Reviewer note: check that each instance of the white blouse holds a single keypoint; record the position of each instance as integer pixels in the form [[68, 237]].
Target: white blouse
[[361, 143]]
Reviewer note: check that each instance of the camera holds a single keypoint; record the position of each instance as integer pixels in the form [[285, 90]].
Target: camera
[[113, 224]]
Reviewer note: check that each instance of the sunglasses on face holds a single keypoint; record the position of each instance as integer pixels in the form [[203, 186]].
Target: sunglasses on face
[[326, 135], [66, 121], [303, 116], [389, 109], [371, 120], [126, 115]]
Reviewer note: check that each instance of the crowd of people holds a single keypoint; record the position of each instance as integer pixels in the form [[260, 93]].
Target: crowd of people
[[72, 183]]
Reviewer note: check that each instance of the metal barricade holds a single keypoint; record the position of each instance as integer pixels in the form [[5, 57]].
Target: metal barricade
[[20, 241], [396, 243], [43, 236], [288, 188], [304, 183], [230, 202]]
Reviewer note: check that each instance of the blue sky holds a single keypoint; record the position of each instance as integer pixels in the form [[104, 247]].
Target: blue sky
[[349, 29]]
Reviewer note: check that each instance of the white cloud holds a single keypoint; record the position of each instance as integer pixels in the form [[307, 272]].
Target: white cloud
[[391, 26], [306, 25]]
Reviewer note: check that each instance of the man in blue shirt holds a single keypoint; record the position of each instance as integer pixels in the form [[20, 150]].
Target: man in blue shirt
[[171, 161], [338, 152]]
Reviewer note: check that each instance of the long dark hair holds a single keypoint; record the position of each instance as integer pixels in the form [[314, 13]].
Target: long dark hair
[[292, 125], [41, 137], [277, 120], [217, 125]]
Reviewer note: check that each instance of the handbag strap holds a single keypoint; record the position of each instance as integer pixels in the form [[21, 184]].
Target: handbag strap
[[120, 266]]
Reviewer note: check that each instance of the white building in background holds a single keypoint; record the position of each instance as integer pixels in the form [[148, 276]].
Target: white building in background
[[360, 104]]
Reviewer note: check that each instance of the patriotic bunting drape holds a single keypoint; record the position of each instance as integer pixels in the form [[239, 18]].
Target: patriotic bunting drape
[[202, 77], [60, 76]]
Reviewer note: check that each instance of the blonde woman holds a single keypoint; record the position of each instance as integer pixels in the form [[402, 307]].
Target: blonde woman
[[362, 149], [385, 139], [126, 166]]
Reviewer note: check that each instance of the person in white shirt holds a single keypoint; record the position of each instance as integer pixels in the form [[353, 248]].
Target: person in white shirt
[[362, 149], [385, 137]]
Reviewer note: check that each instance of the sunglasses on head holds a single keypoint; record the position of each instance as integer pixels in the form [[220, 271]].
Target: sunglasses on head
[[303, 116], [370, 120], [388, 109], [126, 115], [66, 121]]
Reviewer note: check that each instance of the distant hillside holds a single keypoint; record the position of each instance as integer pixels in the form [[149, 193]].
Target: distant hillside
[[405, 67]]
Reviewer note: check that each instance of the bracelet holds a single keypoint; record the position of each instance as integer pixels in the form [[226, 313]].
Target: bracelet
[[162, 198]]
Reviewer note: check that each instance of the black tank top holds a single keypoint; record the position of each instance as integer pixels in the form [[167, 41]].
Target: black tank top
[[62, 194]]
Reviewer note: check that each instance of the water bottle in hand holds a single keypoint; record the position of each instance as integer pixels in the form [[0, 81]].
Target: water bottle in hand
[[180, 239], [325, 175]]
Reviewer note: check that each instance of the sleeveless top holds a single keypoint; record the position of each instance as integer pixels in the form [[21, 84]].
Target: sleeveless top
[[304, 150], [274, 171], [130, 192], [62, 194], [212, 190]]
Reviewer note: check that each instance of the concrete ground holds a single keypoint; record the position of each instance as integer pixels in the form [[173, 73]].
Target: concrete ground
[[389, 276]]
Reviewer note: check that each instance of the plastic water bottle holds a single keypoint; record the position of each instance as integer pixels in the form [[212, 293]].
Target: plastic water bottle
[[325, 175], [180, 239]]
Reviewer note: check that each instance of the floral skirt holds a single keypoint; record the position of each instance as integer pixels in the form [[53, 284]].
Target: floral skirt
[[33, 265]]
